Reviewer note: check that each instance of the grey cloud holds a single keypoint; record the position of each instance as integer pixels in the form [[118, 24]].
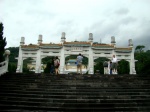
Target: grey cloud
[[141, 41], [143, 35], [122, 11], [128, 20], [123, 29], [124, 20]]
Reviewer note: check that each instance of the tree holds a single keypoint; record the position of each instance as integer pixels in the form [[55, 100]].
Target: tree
[[2, 43], [139, 48], [99, 64], [143, 63], [25, 65], [14, 53], [123, 67], [12, 66], [47, 69]]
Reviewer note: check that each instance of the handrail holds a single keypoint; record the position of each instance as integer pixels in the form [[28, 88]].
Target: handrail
[[3, 67], [4, 64]]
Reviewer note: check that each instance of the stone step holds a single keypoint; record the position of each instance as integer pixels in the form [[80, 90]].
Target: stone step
[[73, 93], [145, 94], [85, 84], [65, 104], [35, 87], [56, 104], [96, 96], [104, 77], [76, 84], [73, 109], [80, 83], [109, 79], [102, 93], [77, 107], [79, 99]]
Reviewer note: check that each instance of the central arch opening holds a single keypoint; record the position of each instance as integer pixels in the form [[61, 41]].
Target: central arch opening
[[71, 65], [98, 64]]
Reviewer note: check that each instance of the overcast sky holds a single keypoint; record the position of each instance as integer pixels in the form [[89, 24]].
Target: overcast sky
[[124, 19]]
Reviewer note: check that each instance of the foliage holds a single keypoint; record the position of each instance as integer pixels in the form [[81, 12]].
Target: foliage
[[139, 48], [25, 69], [70, 57], [12, 67], [47, 59], [99, 64], [123, 67], [2, 43], [143, 62], [14, 53], [12, 61], [25, 63], [47, 69]]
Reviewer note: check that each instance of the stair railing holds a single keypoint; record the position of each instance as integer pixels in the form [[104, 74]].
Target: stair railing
[[4, 64]]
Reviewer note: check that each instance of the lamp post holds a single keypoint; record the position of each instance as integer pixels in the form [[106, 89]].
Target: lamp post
[[7, 53]]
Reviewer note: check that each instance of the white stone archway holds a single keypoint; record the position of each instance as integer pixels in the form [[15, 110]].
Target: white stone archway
[[89, 49]]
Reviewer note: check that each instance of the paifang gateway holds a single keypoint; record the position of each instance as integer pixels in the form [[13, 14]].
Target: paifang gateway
[[89, 49]]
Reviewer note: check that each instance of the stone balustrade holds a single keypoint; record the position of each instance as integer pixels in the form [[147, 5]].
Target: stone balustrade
[[4, 64]]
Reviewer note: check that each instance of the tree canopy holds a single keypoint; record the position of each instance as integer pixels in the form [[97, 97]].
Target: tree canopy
[[143, 61], [2, 43], [139, 48]]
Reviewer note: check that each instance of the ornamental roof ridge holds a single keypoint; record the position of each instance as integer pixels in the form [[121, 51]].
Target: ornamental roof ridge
[[108, 45], [30, 46], [50, 44], [77, 42], [123, 48]]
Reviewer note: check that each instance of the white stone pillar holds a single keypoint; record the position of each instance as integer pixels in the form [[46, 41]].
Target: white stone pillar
[[62, 61], [38, 62], [63, 38], [40, 39], [90, 37], [113, 42], [20, 57], [91, 62], [22, 42], [113, 53], [132, 63], [20, 61], [130, 43]]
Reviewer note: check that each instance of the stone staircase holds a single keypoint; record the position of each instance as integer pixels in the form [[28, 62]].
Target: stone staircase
[[71, 93]]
